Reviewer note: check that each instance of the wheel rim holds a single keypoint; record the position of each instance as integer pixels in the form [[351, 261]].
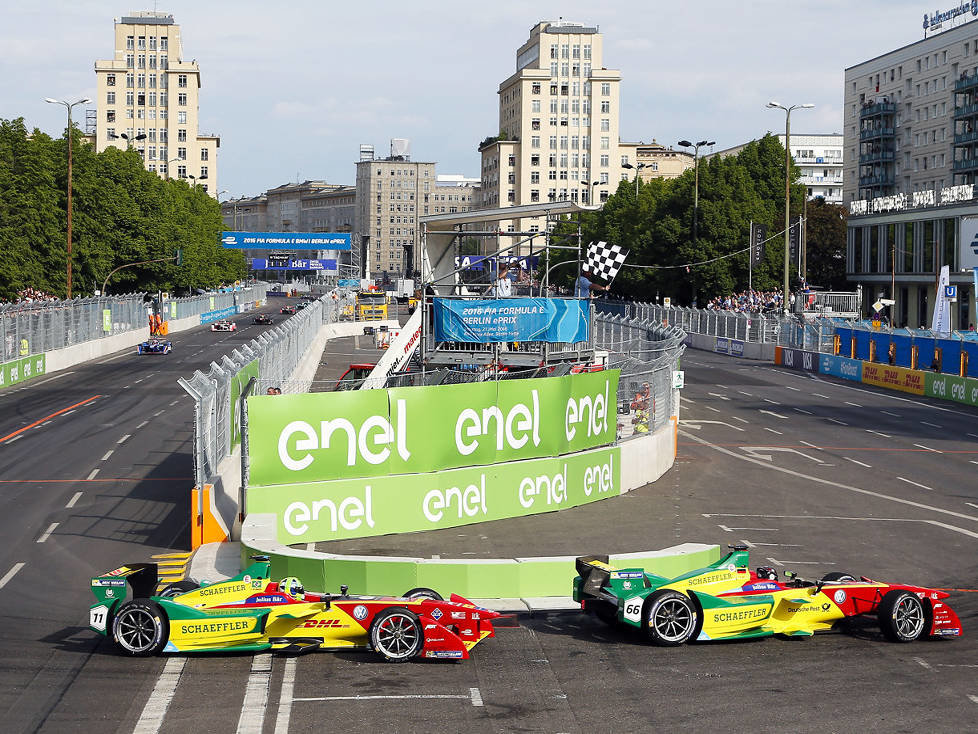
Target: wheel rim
[[908, 617], [397, 636], [673, 620], [136, 630]]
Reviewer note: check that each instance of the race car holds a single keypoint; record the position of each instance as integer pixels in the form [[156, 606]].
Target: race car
[[263, 318], [154, 346], [287, 309], [726, 600], [251, 613], [224, 325]]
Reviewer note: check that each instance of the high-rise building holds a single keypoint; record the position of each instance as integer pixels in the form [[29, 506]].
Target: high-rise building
[[818, 156], [391, 193], [148, 98], [911, 158], [558, 125]]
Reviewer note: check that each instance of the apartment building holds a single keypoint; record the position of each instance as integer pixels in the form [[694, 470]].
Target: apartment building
[[911, 155], [558, 125], [654, 160], [148, 98]]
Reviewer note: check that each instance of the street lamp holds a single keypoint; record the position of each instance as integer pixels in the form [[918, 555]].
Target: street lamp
[[68, 106], [696, 179], [787, 186], [195, 179], [129, 139], [172, 160], [638, 168], [590, 189]]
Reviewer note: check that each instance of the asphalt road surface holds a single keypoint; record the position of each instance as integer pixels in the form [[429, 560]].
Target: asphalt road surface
[[815, 475]]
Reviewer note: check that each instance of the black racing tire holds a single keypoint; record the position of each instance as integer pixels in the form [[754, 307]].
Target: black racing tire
[[669, 618], [140, 628], [902, 616], [422, 592], [177, 588], [396, 635], [835, 576]]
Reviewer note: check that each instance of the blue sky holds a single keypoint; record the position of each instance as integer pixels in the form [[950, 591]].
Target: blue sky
[[293, 88]]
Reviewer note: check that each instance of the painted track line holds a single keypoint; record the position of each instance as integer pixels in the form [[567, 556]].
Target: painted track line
[[151, 719], [92, 475], [841, 423], [928, 448], [70, 408], [878, 433], [73, 500], [285, 698], [856, 461], [256, 695], [108, 454], [124, 438], [47, 533], [922, 486], [895, 415], [932, 425], [10, 574], [401, 697]]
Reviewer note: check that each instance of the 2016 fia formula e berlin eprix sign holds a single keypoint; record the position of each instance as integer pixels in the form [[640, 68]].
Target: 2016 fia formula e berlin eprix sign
[[286, 240]]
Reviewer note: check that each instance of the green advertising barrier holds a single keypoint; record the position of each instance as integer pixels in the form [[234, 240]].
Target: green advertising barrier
[[238, 383], [21, 370], [949, 387], [322, 511], [107, 320], [366, 433]]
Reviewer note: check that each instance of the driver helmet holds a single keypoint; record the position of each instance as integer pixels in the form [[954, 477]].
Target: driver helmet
[[292, 586], [767, 572]]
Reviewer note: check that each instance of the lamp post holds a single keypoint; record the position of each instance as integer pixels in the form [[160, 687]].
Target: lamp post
[[787, 186], [172, 160], [590, 190], [195, 179], [638, 168], [68, 106], [129, 140], [696, 179]]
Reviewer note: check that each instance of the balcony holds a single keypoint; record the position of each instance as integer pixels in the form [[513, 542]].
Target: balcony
[[880, 108], [965, 138], [884, 179], [965, 83], [877, 156], [966, 164], [876, 132], [968, 110]]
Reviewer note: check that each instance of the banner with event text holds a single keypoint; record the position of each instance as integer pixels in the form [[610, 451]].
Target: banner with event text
[[486, 321]]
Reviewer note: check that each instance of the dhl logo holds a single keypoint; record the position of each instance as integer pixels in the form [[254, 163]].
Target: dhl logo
[[321, 623]]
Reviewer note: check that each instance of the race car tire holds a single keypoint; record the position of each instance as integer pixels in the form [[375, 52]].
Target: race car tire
[[396, 634], [423, 592], [837, 576], [669, 618], [140, 628], [902, 616], [177, 588]]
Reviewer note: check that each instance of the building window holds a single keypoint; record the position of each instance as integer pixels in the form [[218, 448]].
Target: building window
[[535, 141], [182, 135], [152, 100], [141, 100], [141, 81], [203, 171], [182, 154], [535, 160], [512, 160], [535, 105], [535, 89], [182, 171], [152, 43], [110, 116], [605, 89], [534, 195], [130, 98], [163, 62], [163, 103], [553, 68], [605, 107], [535, 177], [142, 43], [182, 99], [603, 177], [654, 165], [110, 80], [204, 153], [130, 42], [605, 143], [142, 61], [181, 80], [130, 81], [110, 98], [605, 124], [163, 43], [604, 161], [130, 61]]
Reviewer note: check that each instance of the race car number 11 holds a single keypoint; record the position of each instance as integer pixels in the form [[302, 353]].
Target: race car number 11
[[96, 617]]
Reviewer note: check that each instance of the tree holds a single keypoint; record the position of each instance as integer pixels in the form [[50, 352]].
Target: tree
[[826, 244]]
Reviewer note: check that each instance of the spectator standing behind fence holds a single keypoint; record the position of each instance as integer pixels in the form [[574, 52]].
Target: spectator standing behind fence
[[503, 286], [584, 287], [749, 301]]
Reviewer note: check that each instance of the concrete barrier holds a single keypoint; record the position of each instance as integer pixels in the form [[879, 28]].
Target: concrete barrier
[[730, 346]]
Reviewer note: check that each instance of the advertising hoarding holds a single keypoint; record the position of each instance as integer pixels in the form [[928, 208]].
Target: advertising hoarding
[[486, 321], [286, 240]]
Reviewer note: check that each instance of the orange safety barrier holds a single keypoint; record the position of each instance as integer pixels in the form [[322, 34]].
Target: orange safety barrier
[[206, 524]]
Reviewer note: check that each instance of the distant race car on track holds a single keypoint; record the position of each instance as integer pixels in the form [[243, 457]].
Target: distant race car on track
[[287, 309], [154, 346], [252, 613], [726, 600], [224, 325], [263, 318]]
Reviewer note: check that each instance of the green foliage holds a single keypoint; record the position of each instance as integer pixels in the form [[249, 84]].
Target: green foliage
[[657, 227], [826, 244], [121, 214]]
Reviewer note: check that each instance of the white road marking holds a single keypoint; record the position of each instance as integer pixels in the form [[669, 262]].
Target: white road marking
[[174, 403], [819, 395], [686, 400], [124, 438], [971, 504], [856, 461], [799, 410], [47, 533], [402, 697], [115, 357], [773, 431], [139, 380], [159, 412], [725, 528], [771, 412], [92, 474], [884, 435], [476, 695], [256, 695], [973, 698], [841, 423], [44, 424], [895, 415], [747, 543], [737, 418], [141, 425], [718, 395], [745, 393], [854, 405], [789, 387], [73, 500], [972, 435], [285, 698], [154, 711], [773, 402], [69, 412], [801, 563], [775, 562], [928, 448], [908, 481], [781, 545], [108, 454], [709, 407], [819, 448], [932, 425], [722, 386], [15, 438], [10, 574], [923, 663]]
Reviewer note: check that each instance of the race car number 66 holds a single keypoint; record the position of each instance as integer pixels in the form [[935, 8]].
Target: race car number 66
[[633, 608]]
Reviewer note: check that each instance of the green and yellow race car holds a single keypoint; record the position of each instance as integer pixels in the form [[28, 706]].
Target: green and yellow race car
[[251, 613], [726, 600]]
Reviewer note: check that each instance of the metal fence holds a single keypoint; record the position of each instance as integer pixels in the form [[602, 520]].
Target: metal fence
[[278, 352], [181, 308], [33, 328]]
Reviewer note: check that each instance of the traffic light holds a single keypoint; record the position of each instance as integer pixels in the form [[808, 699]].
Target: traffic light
[[179, 257]]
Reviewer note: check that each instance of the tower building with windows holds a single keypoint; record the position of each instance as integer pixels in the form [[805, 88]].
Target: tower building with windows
[[148, 98]]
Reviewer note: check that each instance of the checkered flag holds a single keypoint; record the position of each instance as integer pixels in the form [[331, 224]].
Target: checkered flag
[[604, 260]]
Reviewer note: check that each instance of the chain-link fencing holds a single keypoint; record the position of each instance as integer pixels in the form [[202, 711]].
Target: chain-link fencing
[[271, 359]]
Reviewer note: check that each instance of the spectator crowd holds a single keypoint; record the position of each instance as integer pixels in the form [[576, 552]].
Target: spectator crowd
[[749, 301], [30, 295]]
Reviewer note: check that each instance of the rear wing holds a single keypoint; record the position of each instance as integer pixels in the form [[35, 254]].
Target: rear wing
[[142, 578], [595, 573]]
